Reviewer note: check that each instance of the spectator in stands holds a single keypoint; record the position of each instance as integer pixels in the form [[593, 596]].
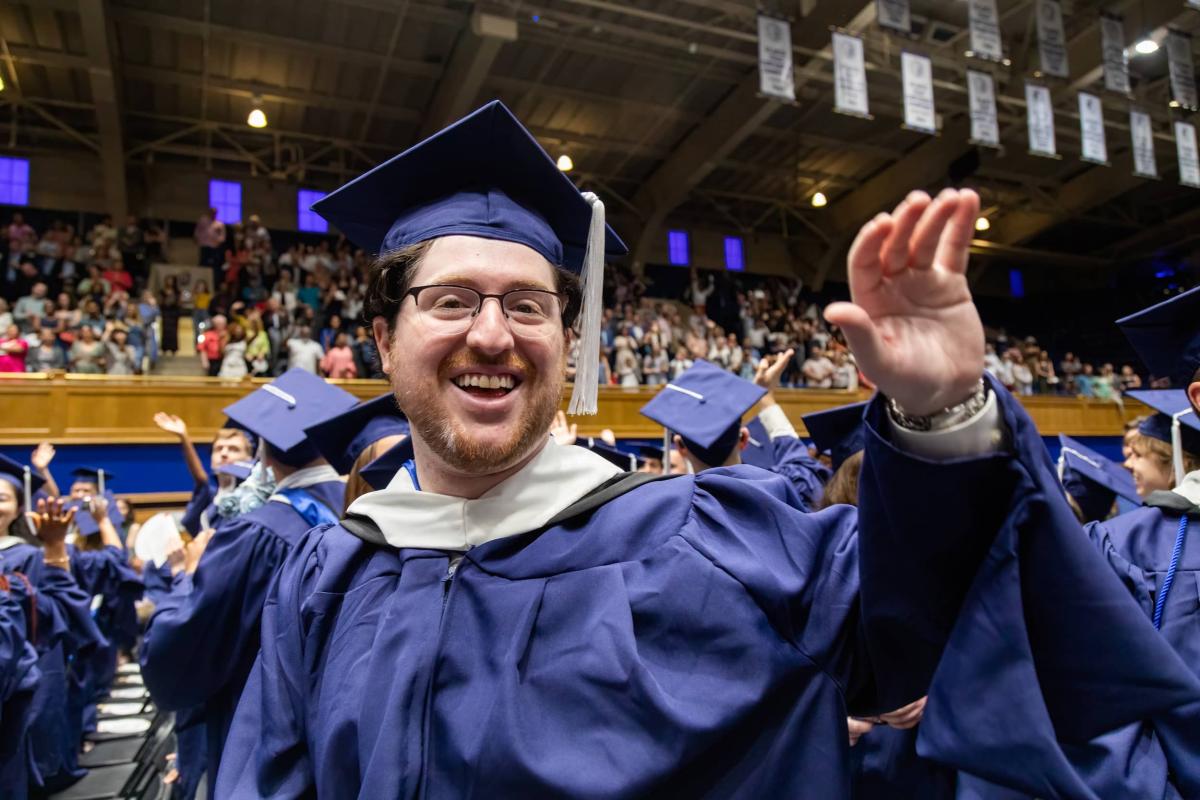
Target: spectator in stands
[[103, 231], [170, 310], [91, 317], [94, 285], [32, 307], [201, 297], [119, 356], [338, 361], [310, 293], [818, 370], [366, 357], [48, 354], [845, 372], [303, 352], [681, 363], [210, 238], [258, 346], [656, 365], [284, 292], [1086, 381], [212, 345], [118, 277], [136, 333], [1022, 374], [13, 350], [1104, 384], [1044, 375], [18, 234], [258, 238], [87, 353], [1129, 380], [132, 244], [329, 333], [233, 361]]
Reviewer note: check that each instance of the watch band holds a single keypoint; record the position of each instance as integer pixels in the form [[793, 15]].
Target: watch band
[[946, 418]]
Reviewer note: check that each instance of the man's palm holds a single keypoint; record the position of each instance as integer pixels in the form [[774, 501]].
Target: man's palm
[[171, 424]]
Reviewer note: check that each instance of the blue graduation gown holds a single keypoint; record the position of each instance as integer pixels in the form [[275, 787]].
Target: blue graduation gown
[[202, 498], [807, 475], [699, 636], [202, 639], [19, 676], [62, 630]]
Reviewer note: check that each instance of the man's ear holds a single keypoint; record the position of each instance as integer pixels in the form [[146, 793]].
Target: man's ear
[[383, 343], [677, 440], [1193, 393], [743, 439]]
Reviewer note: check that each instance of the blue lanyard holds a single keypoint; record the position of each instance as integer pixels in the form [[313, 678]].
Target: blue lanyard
[[1161, 603], [411, 466]]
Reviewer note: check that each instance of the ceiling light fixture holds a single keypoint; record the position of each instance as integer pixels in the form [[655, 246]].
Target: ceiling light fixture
[[257, 117], [983, 224], [565, 163], [819, 200], [1146, 46]]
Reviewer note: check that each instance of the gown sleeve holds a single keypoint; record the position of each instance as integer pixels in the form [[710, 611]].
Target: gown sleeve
[[807, 475], [64, 613], [1026, 640], [198, 640], [202, 497], [18, 660]]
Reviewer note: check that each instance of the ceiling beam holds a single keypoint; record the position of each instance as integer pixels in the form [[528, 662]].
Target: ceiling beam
[[477, 47], [104, 79]]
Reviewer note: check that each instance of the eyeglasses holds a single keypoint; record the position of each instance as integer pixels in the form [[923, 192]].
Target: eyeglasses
[[446, 309]]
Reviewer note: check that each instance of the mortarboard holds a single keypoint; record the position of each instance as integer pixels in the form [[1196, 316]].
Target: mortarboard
[[282, 410], [1174, 423], [238, 469], [379, 473], [615, 456], [92, 474], [486, 176], [758, 452], [705, 406], [647, 452], [839, 431], [1166, 337], [14, 472], [1093, 480], [343, 438]]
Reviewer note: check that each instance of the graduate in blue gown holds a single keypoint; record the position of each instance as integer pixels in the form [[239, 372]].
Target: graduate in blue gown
[[19, 678], [230, 445], [59, 626], [202, 637], [510, 618], [705, 405]]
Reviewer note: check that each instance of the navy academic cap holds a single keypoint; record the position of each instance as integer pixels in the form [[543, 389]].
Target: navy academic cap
[[484, 176], [650, 451], [92, 474], [1168, 403], [379, 473], [87, 523], [14, 472], [838, 431], [343, 438], [705, 406], [613, 455], [1093, 480], [1166, 337], [238, 469], [281, 411], [758, 452]]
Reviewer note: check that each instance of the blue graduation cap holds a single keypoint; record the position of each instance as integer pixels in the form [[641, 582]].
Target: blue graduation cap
[[1166, 337], [1093, 480], [485, 176], [839, 431], [1174, 423], [238, 469], [281, 411], [14, 472], [619, 458], [758, 452], [648, 452], [343, 438], [87, 524], [86, 473], [705, 406], [379, 473]]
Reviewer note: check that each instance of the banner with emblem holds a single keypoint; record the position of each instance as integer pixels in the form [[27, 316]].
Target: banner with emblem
[[985, 127], [984, 24], [1189, 159], [894, 14], [776, 77], [1052, 39], [916, 73], [1113, 55], [849, 76], [1040, 117], [1091, 129], [1142, 135], [1182, 69]]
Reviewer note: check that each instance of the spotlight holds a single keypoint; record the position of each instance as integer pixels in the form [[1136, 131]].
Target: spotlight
[[982, 224], [257, 118], [565, 163], [819, 200], [1146, 47], [1, 83]]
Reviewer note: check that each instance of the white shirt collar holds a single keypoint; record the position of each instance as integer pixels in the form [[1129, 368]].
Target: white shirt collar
[[1190, 488], [552, 480]]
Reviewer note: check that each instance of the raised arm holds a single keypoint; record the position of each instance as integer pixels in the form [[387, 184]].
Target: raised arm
[[41, 458], [178, 428]]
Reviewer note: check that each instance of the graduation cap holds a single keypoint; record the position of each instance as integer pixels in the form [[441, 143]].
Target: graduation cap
[[23, 479], [281, 411], [343, 438], [87, 524], [839, 431], [651, 452], [1166, 337], [1174, 423], [238, 469], [705, 406], [379, 473], [758, 452], [1093, 480], [486, 176], [613, 455]]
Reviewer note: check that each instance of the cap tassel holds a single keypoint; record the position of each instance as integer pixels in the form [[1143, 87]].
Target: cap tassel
[[587, 364], [1177, 445], [666, 462], [28, 490]]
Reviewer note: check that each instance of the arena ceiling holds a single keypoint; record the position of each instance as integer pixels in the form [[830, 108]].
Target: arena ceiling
[[654, 100]]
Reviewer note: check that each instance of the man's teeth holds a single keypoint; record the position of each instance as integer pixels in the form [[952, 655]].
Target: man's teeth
[[486, 381]]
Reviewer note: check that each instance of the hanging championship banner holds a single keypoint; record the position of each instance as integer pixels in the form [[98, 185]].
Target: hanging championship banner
[[985, 128], [916, 74], [849, 76], [1091, 128], [1040, 116], [1052, 39], [1182, 69], [894, 14], [984, 23], [1142, 134], [1189, 159], [1112, 49], [776, 78]]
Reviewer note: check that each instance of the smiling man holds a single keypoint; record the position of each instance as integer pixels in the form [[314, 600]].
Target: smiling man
[[510, 618]]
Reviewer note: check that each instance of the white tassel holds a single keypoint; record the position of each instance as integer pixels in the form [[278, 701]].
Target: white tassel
[[1177, 445], [666, 465], [28, 490], [587, 364]]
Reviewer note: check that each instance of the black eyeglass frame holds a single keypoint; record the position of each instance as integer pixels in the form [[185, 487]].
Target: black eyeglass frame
[[415, 291]]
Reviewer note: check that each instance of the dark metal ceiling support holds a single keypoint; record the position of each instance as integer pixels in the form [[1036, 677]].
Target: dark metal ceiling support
[[477, 47], [102, 74]]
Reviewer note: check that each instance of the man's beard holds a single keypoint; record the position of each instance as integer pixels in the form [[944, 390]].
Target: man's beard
[[454, 445]]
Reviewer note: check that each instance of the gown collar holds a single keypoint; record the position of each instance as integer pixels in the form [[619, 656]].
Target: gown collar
[[1183, 499], [552, 480]]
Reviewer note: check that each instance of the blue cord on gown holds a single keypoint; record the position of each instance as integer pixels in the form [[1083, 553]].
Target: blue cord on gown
[[1161, 602]]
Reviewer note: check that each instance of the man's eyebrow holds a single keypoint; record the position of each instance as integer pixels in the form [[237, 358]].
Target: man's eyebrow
[[463, 280]]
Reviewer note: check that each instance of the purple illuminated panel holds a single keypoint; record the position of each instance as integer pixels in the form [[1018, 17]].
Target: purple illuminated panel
[[306, 220], [226, 198], [14, 181], [734, 258], [677, 248]]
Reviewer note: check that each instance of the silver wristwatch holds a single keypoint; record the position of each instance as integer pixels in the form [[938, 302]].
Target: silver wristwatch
[[941, 420]]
